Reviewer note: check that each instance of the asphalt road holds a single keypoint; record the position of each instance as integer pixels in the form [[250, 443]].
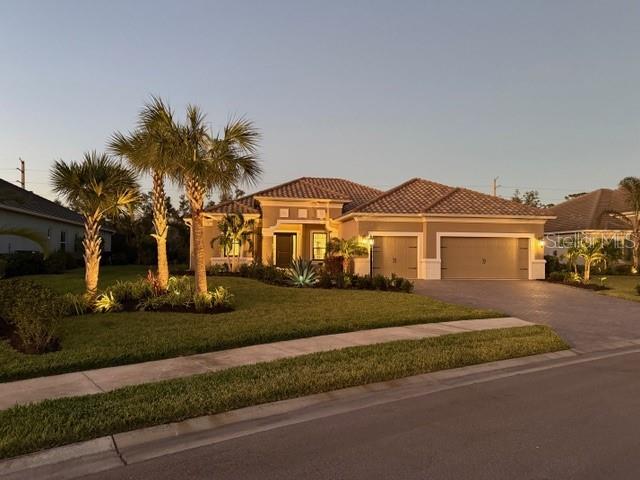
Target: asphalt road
[[580, 421]]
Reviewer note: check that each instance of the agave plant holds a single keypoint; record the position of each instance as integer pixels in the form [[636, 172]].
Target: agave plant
[[301, 273]]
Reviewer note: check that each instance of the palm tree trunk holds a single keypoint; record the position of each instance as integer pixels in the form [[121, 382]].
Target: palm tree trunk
[[587, 271], [92, 247], [195, 193], [160, 226], [635, 238]]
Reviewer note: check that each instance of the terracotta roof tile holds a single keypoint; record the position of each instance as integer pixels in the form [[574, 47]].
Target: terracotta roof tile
[[420, 196], [350, 193], [588, 212]]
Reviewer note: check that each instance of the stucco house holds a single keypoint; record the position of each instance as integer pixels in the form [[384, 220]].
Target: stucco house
[[59, 225], [419, 229], [587, 216]]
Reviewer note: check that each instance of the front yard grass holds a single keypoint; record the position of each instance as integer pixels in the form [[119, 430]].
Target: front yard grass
[[264, 313], [621, 286], [51, 423]]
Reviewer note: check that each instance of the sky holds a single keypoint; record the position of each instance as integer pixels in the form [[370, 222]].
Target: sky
[[544, 95]]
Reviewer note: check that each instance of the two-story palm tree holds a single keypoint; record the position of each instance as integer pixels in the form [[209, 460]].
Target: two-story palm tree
[[98, 187], [148, 151]]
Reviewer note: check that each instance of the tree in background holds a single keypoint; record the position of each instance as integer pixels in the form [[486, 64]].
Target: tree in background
[[631, 188], [530, 197], [98, 188], [146, 150], [235, 230]]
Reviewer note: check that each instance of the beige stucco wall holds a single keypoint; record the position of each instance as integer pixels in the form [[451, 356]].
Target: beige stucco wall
[[271, 214]]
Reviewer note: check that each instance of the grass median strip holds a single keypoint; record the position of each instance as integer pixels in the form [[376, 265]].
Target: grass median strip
[[264, 314], [51, 423]]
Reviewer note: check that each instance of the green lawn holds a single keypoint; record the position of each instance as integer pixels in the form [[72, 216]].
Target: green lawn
[[264, 313], [622, 286], [25, 429]]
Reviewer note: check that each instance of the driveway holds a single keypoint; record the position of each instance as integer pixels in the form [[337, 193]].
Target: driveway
[[587, 320]]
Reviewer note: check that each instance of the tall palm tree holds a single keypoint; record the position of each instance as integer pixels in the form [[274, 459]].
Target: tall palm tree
[[148, 151], [98, 187], [206, 162], [631, 187], [235, 230]]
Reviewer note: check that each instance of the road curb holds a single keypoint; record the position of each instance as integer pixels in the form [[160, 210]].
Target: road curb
[[76, 460]]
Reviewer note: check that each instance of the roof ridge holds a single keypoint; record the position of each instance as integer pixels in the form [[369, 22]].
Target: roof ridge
[[344, 180], [442, 198], [385, 193], [329, 190], [594, 207]]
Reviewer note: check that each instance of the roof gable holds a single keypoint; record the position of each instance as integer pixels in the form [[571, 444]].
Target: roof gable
[[419, 196], [14, 197], [589, 212]]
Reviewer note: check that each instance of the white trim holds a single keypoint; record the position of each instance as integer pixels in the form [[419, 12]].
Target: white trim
[[420, 271], [432, 268], [292, 223], [451, 217], [301, 202], [303, 213], [533, 274], [283, 212]]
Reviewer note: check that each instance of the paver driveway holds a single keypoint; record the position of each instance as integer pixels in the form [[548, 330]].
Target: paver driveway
[[587, 320]]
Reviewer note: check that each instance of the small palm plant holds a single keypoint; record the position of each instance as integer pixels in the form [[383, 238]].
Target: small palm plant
[[235, 230], [98, 188], [591, 253], [302, 273], [347, 249]]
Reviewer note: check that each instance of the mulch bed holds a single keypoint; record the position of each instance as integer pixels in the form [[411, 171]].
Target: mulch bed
[[586, 286]]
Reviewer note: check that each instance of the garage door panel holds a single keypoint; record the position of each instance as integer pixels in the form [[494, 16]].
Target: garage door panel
[[395, 255], [484, 257]]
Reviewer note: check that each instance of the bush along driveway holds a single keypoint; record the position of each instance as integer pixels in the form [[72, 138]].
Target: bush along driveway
[[264, 313], [25, 429]]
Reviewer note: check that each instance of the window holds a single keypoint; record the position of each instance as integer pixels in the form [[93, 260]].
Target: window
[[234, 251], [319, 245], [63, 241], [321, 213], [284, 213], [302, 213]]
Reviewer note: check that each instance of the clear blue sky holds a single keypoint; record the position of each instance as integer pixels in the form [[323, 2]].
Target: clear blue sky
[[545, 94]]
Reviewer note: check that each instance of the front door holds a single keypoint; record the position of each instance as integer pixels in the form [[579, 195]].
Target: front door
[[284, 249]]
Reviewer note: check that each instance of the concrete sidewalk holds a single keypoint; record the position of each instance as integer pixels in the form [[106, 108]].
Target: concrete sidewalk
[[106, 379]]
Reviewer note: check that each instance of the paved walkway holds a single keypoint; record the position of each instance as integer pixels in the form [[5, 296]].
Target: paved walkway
[[589, 321], [106, 379]]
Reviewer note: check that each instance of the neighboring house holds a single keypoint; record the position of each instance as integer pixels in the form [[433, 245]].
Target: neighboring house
[[419, 229], [24, 209], [586, 217]]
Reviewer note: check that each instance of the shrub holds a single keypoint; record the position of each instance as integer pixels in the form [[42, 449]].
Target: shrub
[[131, 292], [380, 282], [324, 280], [334, 265], [553, 265], [24, 263], [301, 273], [406, 286], [34, 312], [622, 269], [203, 301], [273, 274], [222, 298], [363, 282], [3, 267], [218, 269], [106, 302], [572, 277], [59, 261], [557, 276], [638, 288], [75, 304]]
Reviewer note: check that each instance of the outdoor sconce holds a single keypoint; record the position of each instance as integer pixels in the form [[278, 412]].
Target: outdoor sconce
[[541, 242]]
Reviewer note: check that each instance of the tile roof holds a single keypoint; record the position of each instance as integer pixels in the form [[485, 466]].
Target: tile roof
[[350, 193], [588, 212], [14, 197], [418, 196]]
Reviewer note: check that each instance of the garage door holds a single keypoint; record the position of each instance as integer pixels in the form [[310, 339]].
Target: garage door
[[492, 258], [397, 255]]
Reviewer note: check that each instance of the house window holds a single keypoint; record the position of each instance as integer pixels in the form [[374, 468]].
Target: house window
[[234, 251], [302, 213], [321, 213], [319, 245], [284, 213], [63, 241]]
